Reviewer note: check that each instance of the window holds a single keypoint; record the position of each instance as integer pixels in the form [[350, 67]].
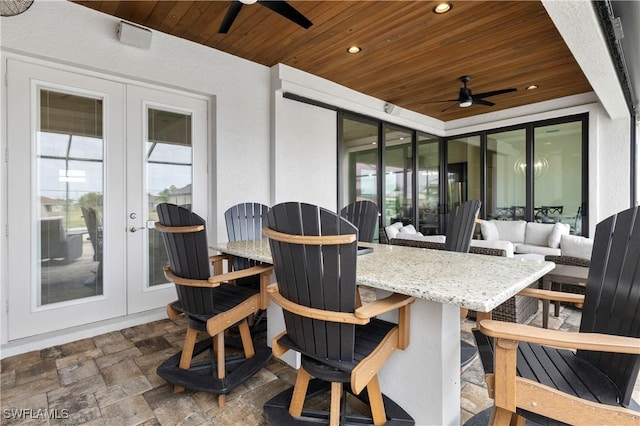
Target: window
[[533, 172]]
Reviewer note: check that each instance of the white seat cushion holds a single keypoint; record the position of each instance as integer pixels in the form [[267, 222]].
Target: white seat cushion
[[393, 229], [537, 234], [489, 230], [420, 237], [575, 246], [511, 230], [409, 229], [542, 250]]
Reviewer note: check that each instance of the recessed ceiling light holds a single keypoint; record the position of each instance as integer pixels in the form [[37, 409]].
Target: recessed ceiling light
[[443, 7], [532, 87], [354, 49]]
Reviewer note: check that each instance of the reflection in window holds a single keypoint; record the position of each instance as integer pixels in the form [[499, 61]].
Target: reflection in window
[[69, 176], [428, 184], [398, 179], [169, 176], [506, 184], [463, 170], [558, 174]]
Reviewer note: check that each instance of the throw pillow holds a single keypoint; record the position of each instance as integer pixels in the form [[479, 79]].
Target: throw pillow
[[575, 246], [409, 229], [511, 230], [393, 229], [559, 229], [489, 231], [537, 234]]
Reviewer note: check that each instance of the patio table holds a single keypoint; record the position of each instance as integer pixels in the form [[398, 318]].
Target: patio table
[[425, 378]]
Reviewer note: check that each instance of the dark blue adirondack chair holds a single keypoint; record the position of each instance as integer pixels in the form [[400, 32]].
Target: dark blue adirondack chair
[[212, 305], [314, 256], [364, 215], [528, 376]]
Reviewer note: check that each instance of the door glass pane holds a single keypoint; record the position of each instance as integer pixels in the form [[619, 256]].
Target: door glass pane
[[428, 184], [558, 174], [398, 179], [169, 176], [463, 170], [506, 175], [69, 179]]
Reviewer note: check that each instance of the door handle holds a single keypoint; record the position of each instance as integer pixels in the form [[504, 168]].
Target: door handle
[[136, 228]]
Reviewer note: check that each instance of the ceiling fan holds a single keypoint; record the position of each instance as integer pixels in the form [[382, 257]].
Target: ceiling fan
[[281, 7], [466, 98]]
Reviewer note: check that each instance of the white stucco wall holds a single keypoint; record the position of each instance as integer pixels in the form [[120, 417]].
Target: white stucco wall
[[304, 154]]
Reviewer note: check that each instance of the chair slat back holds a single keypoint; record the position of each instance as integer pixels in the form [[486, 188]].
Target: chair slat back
[[188, 255], [364, 215], [317, 276], [245, 222], [612, 295], [460, 226]]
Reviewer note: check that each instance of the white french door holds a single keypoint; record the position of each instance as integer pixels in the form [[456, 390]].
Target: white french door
[[88, 159], [168, 166]]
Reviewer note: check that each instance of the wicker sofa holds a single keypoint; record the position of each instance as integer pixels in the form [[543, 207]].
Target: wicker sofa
[[516, 309]]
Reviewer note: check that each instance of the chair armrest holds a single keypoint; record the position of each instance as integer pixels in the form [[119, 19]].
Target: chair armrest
[[380, 306], [168, 273], [319, 314], [230, 276], [219, 257], [217, 262], [562, 339], [568, 260], [552, 295]]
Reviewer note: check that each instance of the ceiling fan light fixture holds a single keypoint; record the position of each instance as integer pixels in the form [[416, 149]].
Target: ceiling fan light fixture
[[442, 7], [248, 1], [466, 103]]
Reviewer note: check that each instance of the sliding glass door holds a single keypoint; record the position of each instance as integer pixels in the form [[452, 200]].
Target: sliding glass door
[[464, 166], [558, 168], [506, 175], [398, 177], [430, 212]]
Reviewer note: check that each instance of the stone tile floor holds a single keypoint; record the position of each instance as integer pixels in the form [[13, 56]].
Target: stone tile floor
[[111, 380]]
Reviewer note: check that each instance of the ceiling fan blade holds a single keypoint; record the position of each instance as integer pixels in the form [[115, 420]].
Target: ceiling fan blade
[[495, 92], [232, 13], [445, 100], [482, 102], [450, 106], [285, 9]]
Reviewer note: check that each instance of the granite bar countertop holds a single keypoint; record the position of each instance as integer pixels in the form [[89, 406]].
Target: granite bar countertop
[[474, 281]]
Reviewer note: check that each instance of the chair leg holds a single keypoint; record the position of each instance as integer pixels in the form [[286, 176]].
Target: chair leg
[[219, 339], [500, 417], [375, 402], [517, 420], [187, 353], [336, 396], [245, 336], [299, 392]]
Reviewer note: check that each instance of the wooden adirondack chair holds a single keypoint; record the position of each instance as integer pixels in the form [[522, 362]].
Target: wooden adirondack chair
[[314, 256], [213, 305], [364, 215], [529, 377], [244, 222]]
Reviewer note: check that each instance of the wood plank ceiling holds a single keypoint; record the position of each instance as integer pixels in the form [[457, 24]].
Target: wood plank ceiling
[[411, 57]]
